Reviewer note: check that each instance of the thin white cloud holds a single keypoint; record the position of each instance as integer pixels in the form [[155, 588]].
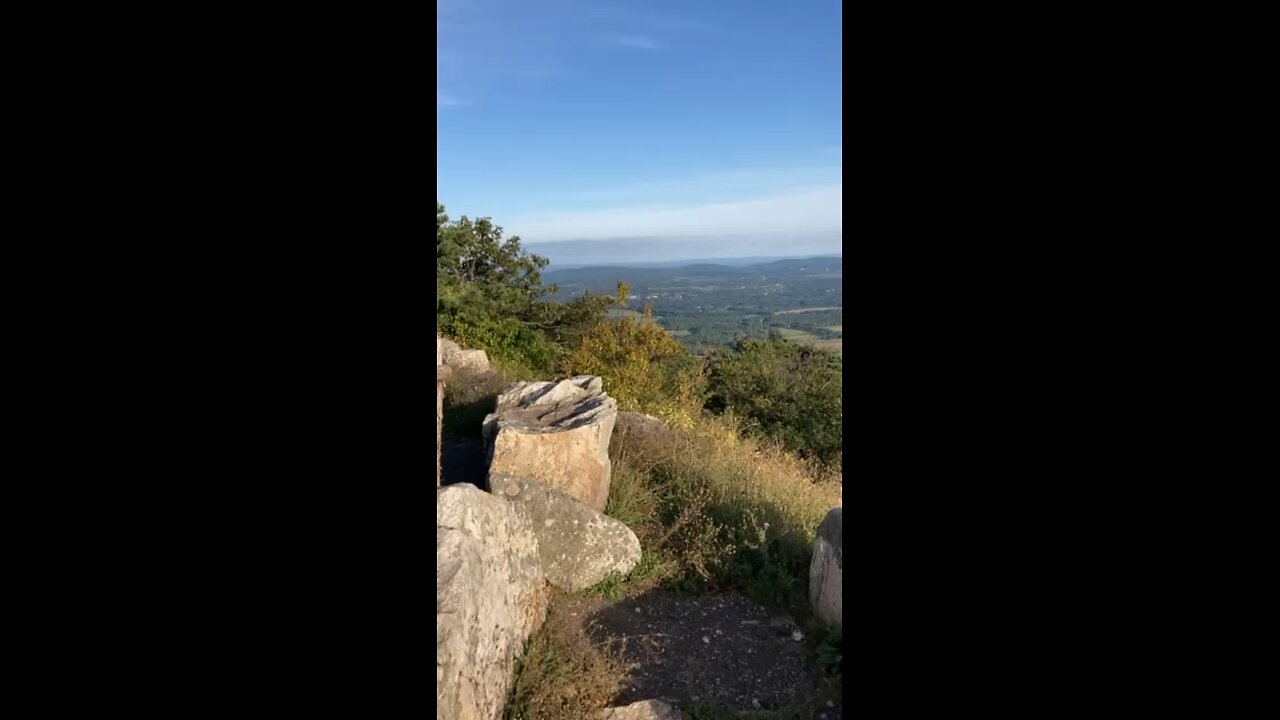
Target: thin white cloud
[[724, 185], [639, 42], [812, 210], [443, 100]]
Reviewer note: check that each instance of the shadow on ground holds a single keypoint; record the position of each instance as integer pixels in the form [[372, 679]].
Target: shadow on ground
[[717, 651]]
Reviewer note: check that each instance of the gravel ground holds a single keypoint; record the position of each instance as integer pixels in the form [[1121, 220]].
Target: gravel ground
[[719, 648]]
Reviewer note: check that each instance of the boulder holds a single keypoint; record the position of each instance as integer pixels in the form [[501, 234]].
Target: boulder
[[826, 570], [461, 359], [469, 361], [643, 710], [490, 597], [642, 424], [640, 435], [577, 546], [556, 434]]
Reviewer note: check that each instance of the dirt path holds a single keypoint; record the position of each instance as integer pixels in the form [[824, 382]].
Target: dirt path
[[721, 650]]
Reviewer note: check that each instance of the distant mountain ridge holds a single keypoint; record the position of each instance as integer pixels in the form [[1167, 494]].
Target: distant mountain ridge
[[725, 262], [658, 251], [603, 278]]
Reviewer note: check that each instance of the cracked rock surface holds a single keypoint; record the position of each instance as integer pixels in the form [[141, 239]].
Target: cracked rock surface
[[490, 596], [556, 434], [577, 546]]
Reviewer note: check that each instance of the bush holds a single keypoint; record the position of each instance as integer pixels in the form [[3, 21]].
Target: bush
[[507, 341], [788, 392], [643, 368]]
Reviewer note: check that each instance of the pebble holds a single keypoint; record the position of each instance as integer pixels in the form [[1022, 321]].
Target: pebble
[[706, 639], [637, 609], [719, 632], [755, 703], [797, 635], [831, 703]]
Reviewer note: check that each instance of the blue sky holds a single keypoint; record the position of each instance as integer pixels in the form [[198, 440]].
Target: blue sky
[[709, 123]]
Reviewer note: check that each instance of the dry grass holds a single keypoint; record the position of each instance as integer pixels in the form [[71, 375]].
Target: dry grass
[[714, 508], [563, 675]]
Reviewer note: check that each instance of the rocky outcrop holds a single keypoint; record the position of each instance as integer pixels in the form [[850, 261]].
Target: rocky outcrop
[[826, 570], [577, 546], [556, 434], [490, 597], [643, 710]]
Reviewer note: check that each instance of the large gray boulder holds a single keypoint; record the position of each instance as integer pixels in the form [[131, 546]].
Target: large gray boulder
[[643, 710], [826, 570], [490, 597], [556, 434], [577, 546]]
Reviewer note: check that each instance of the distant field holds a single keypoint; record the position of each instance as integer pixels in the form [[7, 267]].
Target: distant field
[[835, 328], [797, 335], [800, 336], [615, 313], [805, 310], [678, 333]]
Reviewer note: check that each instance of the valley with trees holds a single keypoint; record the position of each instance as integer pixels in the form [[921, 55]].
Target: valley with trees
[[706, 306]]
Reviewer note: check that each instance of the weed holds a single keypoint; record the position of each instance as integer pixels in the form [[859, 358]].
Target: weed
[[562, 675], [830, 653]]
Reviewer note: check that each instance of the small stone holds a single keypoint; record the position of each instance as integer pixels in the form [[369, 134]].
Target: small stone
[[637, 609], [831, 703], [797, 635], [706, 639], [513, 489], [719, 632], [755, 703]]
